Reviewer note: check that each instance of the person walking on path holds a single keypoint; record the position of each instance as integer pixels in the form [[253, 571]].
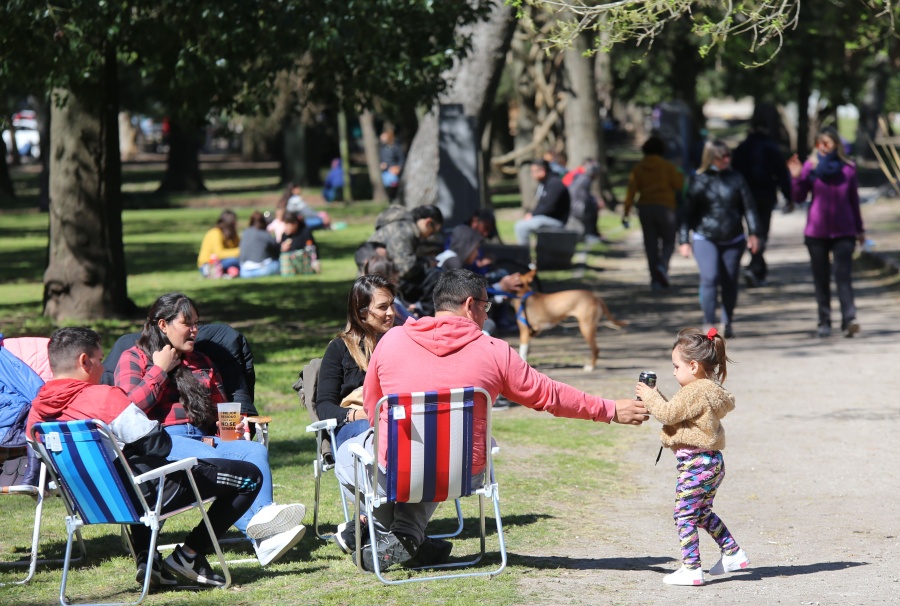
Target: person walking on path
[[717, 202], [833, 226], [655, 181], [760, 161], [692, 428]]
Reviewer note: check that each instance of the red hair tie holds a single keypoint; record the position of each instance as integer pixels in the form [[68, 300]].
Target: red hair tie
[[712, 333]]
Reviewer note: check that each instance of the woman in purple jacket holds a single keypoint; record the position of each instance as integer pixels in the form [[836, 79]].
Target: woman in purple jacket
[[833, 226]]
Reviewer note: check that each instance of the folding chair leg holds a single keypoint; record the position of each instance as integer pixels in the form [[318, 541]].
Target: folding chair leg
[[33, 560], [459, 525]]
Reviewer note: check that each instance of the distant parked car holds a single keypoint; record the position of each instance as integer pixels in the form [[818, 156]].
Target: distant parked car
[[28, 139], [28, 142]]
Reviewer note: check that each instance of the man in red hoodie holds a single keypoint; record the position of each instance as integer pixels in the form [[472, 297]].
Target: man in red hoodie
[[450, 350], [76, 359]]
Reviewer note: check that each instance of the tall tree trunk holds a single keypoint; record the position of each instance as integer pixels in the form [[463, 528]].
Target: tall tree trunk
[[7, 192], [688, 62], [85, 277], [344, 145], [370, 144], [42, 110], [871, 105], [804, 89], [183, 161], [526, 118], [582, 111], [475, 81]]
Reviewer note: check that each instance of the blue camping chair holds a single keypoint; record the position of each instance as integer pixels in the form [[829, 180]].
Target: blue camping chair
[[99, 487]]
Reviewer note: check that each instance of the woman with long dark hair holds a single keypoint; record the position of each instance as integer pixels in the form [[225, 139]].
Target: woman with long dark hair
[[833, 226], [370, 314], [717, 203], [179, 387]]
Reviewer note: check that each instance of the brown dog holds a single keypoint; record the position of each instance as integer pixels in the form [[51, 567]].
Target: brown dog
[[541, 311]]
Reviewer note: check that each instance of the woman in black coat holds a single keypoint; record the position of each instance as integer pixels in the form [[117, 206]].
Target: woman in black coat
[[717, 203]]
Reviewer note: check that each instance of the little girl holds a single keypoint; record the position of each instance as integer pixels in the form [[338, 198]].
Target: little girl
[[692, 429]]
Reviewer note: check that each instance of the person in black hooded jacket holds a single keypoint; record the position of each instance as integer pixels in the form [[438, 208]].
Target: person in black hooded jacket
[[717, 203]]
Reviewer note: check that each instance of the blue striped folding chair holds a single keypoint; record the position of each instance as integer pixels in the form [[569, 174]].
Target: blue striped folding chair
[[99, 487], [430, 442]]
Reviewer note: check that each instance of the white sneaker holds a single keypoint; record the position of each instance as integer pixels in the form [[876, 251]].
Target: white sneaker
[[685, 576], [730, 563], [271, 549], [274, 519]]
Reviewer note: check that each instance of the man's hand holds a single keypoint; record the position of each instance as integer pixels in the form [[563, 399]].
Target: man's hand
[[685, 250], [630, 412], [510, 283], [166, 358], [753, 244]]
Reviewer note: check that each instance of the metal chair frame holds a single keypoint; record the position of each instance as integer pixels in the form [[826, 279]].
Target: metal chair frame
[[363, 461], [98, 441]]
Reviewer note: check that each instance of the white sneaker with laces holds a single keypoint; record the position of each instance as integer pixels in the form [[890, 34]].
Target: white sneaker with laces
[[685, 576], [730, 563], [273, 548], [274, 519]]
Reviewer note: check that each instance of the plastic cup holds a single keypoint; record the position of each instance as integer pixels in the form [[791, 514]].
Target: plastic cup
[[229, 417]]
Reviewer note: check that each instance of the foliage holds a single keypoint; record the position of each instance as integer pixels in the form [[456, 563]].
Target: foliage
[[194, 55], [764, 22]]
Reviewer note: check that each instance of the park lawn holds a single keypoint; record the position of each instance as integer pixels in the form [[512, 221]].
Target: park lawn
[[288, 322]]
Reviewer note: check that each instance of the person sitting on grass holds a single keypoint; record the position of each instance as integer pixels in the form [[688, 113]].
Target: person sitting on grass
[[220, 250], [259, 250], [75, 393]]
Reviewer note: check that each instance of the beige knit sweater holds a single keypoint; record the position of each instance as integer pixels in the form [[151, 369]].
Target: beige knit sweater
[[692, 417]]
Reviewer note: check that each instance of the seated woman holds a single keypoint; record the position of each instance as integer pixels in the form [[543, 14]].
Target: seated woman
[[297, 235], [259, 250], [179, 388], [370, 314], [220, 249]]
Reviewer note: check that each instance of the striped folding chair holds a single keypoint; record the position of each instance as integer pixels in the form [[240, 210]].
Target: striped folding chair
[[99, 487], [430, 441]]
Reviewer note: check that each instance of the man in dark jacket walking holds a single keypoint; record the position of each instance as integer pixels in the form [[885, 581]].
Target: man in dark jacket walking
[[553, 202], [764, 169]]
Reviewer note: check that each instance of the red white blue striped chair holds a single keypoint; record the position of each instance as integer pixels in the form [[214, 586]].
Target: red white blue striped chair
[[99, 487], [430, 443]]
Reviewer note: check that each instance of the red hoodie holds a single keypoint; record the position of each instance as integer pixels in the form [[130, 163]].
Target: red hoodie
[[144, 442], [451, 351]]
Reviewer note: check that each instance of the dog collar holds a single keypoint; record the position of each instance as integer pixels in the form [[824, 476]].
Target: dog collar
[[521, 316]]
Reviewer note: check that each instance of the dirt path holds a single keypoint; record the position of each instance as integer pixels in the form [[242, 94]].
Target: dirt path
[[812, 484]]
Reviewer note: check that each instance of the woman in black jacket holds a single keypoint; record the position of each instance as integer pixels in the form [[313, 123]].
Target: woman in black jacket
[[717, 203], [370, 314]]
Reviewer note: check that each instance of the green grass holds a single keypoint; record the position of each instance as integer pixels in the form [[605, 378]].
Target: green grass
[[289, 321]]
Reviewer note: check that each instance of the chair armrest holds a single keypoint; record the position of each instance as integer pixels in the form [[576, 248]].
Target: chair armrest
[[358, 451], [320, 425], [259, 420], [155, 474]]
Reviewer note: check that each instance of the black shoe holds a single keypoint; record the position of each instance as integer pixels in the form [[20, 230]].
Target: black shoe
[[432, 552], [851, 328], [159, 577], [195, 569], [345, 536], [391, 549], [729, 332]]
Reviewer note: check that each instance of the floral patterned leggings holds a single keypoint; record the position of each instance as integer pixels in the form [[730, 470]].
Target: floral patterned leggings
[[699, 476]]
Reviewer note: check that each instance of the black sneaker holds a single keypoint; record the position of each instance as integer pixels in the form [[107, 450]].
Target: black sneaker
[[196, 569], [432, 552], [391, 549], [159, 577], [345, 536]]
